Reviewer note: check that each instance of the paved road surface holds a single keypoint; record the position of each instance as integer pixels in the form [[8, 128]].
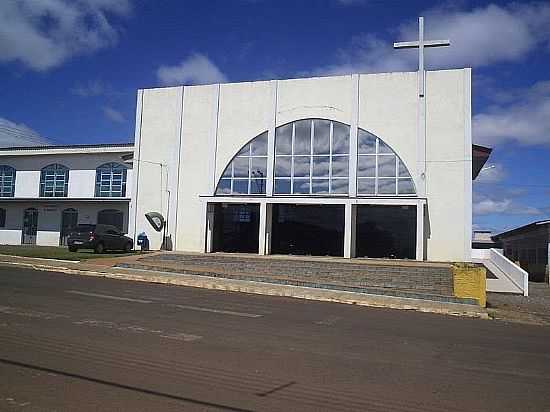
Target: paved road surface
[[70, 343]]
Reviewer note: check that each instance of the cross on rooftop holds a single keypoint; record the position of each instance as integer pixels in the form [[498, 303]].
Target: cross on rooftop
[[421, 44]]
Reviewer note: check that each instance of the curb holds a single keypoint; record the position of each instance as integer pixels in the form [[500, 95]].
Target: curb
[[271, 289]]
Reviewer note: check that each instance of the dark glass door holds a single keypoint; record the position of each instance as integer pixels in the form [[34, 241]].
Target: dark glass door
[[69, 219], [316, 230], [30, 226], [386, 231], [236, 228]]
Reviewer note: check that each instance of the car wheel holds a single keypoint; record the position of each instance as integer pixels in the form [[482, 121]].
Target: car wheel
[[73, 249], [99, 248], [128, 247]]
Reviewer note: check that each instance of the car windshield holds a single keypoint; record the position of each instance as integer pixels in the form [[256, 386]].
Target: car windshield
[[84, 228]]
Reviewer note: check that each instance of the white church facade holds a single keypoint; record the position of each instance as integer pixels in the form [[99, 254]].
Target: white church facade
[[354, 166]]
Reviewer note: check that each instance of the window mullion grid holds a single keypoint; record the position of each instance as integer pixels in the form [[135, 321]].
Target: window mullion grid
[[330, 157], [311, 159], [292, 158], [396, 174]]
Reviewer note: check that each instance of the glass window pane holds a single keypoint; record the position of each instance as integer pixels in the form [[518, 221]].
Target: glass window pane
[[319, 186], [403, 172], [340, 138], [321, 138], [386, 186], [366, 166], [301, 186], [340, 166], [321, 166], [386, 166], [240, 167], [224, 187], [227, 171], [301, 166], [383, 147], [240, 186], [245, 151], [283, 139], [366, 186], [259, 145], [258, 167], [282, 186], [257, 186], [282, 166], [366, 142], [302, 138], [405, 187], [339, 186]]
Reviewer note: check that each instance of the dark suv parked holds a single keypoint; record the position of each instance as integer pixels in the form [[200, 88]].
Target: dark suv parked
[[99, 238]]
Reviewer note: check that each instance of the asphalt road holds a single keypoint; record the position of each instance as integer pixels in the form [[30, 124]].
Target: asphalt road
[[71, 343]]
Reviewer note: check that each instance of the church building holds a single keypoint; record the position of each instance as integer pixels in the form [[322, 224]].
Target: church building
[[358, 165]]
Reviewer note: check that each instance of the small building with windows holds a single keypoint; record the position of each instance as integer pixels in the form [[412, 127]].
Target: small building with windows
[[47, 190], [353, 166]]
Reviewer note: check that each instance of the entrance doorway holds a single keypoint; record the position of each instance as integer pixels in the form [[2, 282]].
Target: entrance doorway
[[30, 226], [236, 228], [316, 230], [386, 231], [69, 219]]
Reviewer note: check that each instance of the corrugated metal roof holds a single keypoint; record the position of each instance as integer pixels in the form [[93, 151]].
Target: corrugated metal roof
[[71, 146]]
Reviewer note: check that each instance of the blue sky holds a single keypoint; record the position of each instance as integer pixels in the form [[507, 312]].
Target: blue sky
[[70, 69]]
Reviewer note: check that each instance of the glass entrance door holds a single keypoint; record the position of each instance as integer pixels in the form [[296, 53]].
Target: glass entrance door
[[236, 227], [30, 226]]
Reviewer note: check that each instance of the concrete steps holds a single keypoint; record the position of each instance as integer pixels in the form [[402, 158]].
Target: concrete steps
[[406, 279]]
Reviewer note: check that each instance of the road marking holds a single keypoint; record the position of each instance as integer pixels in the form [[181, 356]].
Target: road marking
[[28, 313], [99, 295], [220, 311], [186, 337]]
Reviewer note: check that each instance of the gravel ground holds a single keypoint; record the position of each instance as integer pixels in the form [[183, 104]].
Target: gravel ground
[[534, 308]]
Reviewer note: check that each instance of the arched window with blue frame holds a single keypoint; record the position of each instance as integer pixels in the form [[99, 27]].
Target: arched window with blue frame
[[110, 180], [7, 181], [54, 181]]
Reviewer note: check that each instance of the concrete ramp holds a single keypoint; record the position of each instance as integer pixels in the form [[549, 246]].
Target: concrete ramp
[[503, 275]]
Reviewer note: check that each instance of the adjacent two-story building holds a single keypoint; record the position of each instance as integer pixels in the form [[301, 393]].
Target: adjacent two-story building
[[46, 190]]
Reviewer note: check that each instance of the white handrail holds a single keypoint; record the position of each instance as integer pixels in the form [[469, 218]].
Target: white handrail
[[516, 274]]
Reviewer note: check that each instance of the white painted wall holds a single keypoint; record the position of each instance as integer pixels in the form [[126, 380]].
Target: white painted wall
[[198, 136]]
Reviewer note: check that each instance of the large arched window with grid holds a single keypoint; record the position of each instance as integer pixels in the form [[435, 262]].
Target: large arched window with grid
[[110, 180], [54, 181], [7, 181], [312, 158]]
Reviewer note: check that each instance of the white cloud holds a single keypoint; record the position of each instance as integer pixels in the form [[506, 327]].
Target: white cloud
[[491, 173], [195, 69], [113, 115], [479, 37], [42, 34], [13, 135], [504, 202], [90, 89], [519, 115]]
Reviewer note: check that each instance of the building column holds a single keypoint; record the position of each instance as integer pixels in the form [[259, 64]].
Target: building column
[[264, 244], [209, 241], [350, 226], [420, 214]]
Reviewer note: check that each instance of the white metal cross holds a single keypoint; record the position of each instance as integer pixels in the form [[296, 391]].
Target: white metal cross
[[421, 44]]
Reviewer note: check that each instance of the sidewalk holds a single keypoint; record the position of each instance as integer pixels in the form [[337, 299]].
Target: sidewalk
[[106, 267]]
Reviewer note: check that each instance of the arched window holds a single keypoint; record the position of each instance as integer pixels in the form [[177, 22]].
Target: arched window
[[110, 180], [54, 181], [246, 174], [7, 181], [312, 157], [111, 217]]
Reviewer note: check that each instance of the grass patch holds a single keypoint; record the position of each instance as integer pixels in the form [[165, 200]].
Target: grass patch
[[55, 252]]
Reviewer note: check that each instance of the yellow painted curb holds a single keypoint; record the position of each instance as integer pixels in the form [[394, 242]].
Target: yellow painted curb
[[469, 282]]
